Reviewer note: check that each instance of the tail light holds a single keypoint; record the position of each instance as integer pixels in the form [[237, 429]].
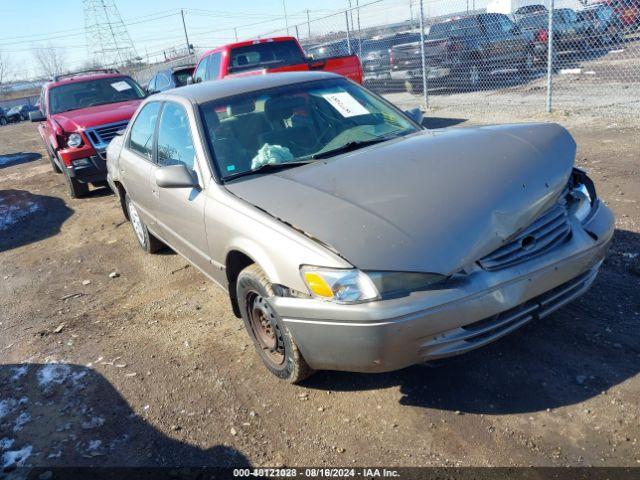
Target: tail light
[[543, 35]]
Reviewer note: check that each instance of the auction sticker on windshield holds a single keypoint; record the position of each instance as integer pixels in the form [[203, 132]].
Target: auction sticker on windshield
[[345, 104], [121, 86]]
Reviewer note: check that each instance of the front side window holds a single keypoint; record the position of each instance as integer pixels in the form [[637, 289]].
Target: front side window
[[142, 130], [297, 123], [89, 93], [199, 74], [213, 68], [175, 145]]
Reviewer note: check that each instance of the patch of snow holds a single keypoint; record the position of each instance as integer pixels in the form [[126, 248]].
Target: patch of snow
[[53, 373], [95, 422], [16, 458], [7, 406], [13, 213], [21, 421], [6, 443], [94, 445], [19, 372]]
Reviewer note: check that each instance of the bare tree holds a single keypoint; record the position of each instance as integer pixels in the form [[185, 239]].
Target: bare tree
[[51, 60], [5, 68]]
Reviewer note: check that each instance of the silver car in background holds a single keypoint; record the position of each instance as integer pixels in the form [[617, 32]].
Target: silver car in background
[[347, 236]]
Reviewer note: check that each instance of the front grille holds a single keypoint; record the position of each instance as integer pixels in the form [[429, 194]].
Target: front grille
[[469, 337], [548, 231], [102, 135]]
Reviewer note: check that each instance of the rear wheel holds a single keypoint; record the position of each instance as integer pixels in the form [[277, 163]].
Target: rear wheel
[[271, 338], [413, 87], [526, 68], [471, 77], [146, 240], [3, 121]]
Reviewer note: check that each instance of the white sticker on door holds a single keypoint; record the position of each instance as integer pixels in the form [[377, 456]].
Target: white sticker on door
[[121, 86], [345, 104]]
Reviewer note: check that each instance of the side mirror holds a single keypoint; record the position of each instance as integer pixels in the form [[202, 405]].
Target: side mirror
[[36, 116], [175, 176], [415, 114], [190, 81]]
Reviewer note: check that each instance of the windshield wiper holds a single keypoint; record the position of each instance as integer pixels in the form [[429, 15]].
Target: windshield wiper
[[350, 146], [267, 167]]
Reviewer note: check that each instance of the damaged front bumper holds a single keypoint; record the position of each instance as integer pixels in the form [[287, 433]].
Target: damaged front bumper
[[391, 334]]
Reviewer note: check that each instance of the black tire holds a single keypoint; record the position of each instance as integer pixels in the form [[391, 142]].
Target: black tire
[[3, 121], [413, 87], [76, 189], [283, 358], [52, 161], [471, 77], [528, 64], [147, 241]]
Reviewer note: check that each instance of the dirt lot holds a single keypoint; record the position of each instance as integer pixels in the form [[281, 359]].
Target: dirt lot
[[153, 368]]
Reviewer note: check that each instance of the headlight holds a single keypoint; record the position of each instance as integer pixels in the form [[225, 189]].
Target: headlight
[[340, 285], [581, 195], [74, 140], [354, 286]]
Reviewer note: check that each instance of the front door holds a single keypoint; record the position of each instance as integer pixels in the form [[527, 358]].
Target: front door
[[180, 211]]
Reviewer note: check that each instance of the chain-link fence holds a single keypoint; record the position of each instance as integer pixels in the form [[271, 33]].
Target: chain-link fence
[[481, 55], [466, 54]]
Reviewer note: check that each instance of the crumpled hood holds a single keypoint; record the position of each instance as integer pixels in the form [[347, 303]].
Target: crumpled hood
[[428, 202], [84, 118]]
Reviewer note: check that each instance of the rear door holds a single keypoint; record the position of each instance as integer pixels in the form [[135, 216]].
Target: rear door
[[136, 162], [180, 211]]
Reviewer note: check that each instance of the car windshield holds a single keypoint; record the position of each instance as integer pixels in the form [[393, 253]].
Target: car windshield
[[76, 95], [296, 123]]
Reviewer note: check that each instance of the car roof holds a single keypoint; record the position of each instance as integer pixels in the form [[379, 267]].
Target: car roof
[[84, 78], [214, 90]]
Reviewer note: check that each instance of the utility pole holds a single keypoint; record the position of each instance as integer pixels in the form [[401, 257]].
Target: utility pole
[[184, 25], [235, 32], [425, 92], [286, 19], [550, 55], [308, 24]]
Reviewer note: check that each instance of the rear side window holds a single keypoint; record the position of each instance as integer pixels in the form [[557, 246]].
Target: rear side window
[[265, 55], [141, 137], [175, 145]]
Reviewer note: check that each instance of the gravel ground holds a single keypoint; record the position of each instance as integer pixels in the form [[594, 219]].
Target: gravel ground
[[152, 368]]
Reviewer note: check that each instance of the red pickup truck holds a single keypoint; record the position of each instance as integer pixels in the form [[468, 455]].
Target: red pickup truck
[[79, 115], [269, 55]]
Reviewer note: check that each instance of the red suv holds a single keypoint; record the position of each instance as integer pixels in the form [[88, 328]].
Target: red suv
[[79, 115]]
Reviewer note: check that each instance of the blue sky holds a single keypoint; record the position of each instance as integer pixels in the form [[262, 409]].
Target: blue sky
[[30, 23]]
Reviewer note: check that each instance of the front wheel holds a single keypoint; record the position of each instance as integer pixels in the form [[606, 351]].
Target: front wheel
[[272, 339], [76, 188], [3, 121]]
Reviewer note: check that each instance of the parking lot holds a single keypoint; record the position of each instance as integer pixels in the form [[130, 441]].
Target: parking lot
[[152, 368]]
